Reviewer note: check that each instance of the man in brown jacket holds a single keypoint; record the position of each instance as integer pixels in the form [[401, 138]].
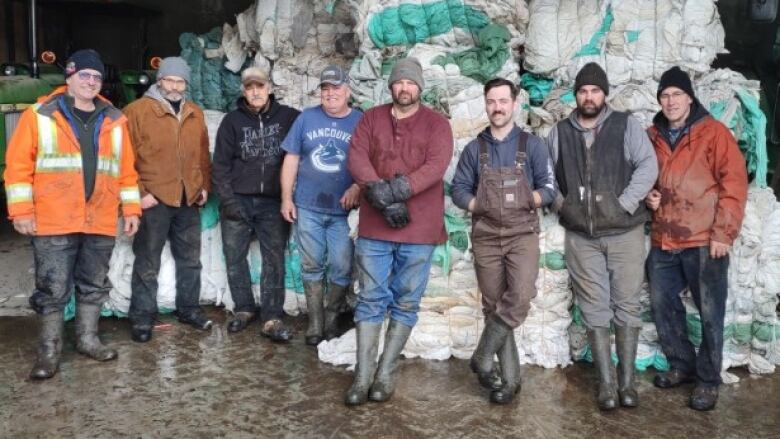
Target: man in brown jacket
[[172, 159], [698, 203]]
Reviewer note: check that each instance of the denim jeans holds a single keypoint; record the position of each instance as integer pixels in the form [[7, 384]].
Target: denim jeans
[[263, 220], [392, 277], [180, 225], [65, 262], [669, 273], [324, 243]]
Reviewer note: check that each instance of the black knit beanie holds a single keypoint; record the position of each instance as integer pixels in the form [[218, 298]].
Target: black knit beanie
[[592, 74], [84, 59], [675, 77]]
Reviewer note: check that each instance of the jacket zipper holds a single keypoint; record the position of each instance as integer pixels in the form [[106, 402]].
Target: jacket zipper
[[588, 188], [262, 159]]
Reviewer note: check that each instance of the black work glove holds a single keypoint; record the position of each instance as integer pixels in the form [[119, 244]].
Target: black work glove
[[379, 194], [231, 209], [401, 188], [396, 215]]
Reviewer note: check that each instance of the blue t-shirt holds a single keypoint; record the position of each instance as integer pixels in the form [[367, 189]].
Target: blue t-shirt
[[322, 142]]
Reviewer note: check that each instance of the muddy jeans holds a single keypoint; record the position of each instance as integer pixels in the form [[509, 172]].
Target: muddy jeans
[[180, 225], [392, 277], [263, 220], [65, 262], [324, 243], [669, 273], [606, 275]]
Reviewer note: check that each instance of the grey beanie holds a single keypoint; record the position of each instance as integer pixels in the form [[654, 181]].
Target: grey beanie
[[174, 66], [407, 68]]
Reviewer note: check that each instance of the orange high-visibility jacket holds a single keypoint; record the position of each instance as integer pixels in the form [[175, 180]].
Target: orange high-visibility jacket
[[43, 176]]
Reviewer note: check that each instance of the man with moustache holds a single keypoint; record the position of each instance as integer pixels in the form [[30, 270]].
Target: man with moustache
[[69, 167], [398, 155], [604, 167], [698, 204], [503, 177], [317, 195], [246, 175], [174, 168]]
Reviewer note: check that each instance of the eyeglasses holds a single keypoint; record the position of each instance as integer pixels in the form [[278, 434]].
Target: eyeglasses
[[668, 96], [176, 82], [85, 76]]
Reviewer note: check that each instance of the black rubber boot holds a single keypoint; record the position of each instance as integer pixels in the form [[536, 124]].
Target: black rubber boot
[[672, 378], [602, 359], [385, 378], [336, 302], [510, 372], [367, 346], [49, 346], [704, 398], [626, 339], [314, 296], [88, 343], [490, 342]]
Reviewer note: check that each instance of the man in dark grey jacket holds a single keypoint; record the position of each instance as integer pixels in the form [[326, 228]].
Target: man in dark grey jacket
[[503, 176], [246, 168], [604, 166]]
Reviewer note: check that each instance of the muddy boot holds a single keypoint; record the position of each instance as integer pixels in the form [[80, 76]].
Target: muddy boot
[[626, 339], [384, 381], [314, 293], [602, 359], [367, 346], [490, 342], [336, 300], [510, 372], [88, 343], [49, 346], [704, 398]]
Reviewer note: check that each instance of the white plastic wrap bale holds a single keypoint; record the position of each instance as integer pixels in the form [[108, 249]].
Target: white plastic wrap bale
[[635, 40]]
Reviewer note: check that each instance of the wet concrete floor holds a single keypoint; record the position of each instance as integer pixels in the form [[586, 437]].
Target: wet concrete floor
[[190, 384]]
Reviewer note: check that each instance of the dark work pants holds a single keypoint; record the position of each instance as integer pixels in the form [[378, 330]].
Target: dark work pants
[[65, 262], [669, 273], [264, 221], [180, 225]]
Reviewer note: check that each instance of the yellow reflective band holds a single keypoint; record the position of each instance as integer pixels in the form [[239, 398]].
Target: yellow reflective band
[[18, 192], [107, 165], [130, 195], [116, 142], [47, 134], [58, 163]]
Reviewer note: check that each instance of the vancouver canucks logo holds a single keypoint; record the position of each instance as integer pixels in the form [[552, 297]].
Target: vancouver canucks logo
[[328, 158]]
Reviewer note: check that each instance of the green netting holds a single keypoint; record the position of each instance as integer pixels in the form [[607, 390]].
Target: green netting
[[537, 87], [211, 86], [292, 268], [752, 140], [552, 261], [457, 232], [593, 46], [568, 97], [411, 23], [209, 214], [70, 310], [483, 61]]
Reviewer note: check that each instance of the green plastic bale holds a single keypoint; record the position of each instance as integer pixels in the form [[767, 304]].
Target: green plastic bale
[[552, 261], [209, 213], [765, 331], [411, 23], [482, 62], [537, 86]]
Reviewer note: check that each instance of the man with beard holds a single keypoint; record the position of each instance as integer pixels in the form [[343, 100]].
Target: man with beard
[[698, 203], [399, 154], [315, 169], [604, 166], [503, 176], [172, 159], [246, 171], [70, 165]]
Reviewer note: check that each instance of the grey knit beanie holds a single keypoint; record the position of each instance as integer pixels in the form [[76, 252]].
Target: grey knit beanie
[[174, 66], [407, 68], [592, 74]]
